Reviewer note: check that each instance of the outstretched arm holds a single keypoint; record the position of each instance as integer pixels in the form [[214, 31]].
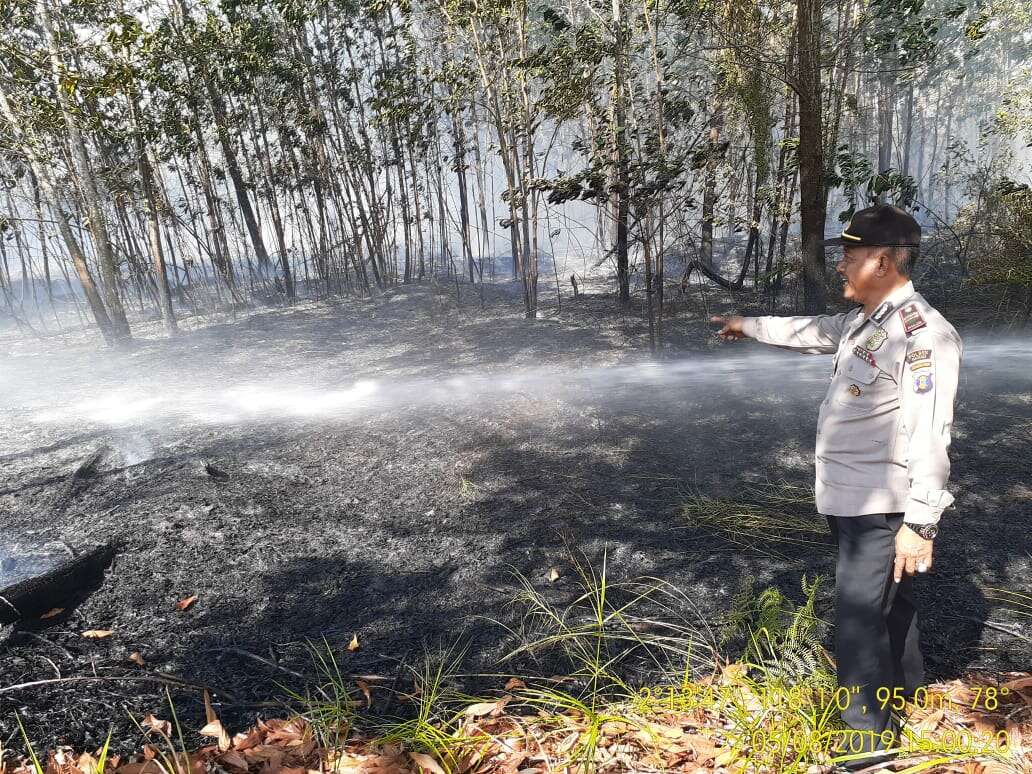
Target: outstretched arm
[[818, 335]]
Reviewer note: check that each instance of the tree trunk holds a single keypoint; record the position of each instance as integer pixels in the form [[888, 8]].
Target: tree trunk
[[218, 109], [481, 174], [220, 242], [782, 205], [709, 191], [108, 330], [619, 187], [813, 192], [459, 165], [908, 131], [418, 211], [143, 165], [44, 245], [886, 110], [274, 210], [86, 182]]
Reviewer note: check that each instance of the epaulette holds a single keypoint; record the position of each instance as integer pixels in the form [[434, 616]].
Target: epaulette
[[912, 319]]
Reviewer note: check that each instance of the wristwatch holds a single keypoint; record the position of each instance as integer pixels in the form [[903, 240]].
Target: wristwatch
[[927, 531]]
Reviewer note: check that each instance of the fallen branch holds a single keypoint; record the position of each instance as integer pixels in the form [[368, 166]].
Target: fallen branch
[[999, 627], [45, 641], [147, 678], [713, 275], [259, 659]]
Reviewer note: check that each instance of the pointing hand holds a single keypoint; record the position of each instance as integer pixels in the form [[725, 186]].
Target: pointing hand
[[732, 327]]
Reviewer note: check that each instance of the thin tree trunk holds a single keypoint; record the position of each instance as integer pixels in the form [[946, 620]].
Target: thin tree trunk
[[459, 165], [218, 109], [274, 210], [154, 233], [908, 131], [886, 111], [709, 192], [111, 333], [813, 191], [619, 187], [481, 174], [86, 181]]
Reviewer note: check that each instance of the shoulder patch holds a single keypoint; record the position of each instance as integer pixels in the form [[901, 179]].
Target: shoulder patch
[[919, 354], [864, 355], [923, 383], [876, 339], [912, 319]]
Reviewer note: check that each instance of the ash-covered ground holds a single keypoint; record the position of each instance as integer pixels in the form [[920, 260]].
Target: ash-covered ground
[[389, 464]]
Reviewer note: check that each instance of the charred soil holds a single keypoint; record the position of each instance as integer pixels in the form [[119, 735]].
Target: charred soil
[[398, 509]]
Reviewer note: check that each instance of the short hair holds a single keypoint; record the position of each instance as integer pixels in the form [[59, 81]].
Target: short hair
[[905, 257]]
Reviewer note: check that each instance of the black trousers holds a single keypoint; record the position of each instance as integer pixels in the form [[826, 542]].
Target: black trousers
[[876, 629]]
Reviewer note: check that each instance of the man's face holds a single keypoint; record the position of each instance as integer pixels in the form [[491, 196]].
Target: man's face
[[862, 271]]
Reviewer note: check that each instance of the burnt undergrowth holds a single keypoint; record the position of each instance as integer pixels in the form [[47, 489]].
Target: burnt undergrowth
[[403, 523]]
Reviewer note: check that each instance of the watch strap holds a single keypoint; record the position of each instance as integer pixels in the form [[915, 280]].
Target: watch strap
[[927, 531]]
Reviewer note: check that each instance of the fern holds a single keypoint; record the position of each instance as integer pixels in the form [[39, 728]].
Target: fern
[[740, 616], [783, 639]]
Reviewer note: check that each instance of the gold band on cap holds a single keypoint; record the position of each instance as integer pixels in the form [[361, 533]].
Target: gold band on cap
[[850, 236]]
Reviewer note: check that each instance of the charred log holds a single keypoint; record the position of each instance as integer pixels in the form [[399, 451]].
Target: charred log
[[61, 586]]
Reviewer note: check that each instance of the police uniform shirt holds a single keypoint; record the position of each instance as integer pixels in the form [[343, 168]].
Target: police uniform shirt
[[883, 431]]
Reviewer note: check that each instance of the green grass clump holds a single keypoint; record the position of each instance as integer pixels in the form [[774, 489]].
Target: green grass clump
[[763, 517], [328, 707], [437, 727]]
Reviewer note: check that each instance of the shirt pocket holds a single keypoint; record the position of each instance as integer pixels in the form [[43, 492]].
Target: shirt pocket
[[862, 388]]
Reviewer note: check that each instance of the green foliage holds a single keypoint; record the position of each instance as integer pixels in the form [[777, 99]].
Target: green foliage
[[853, 172], [744, 80], [438, 713], [612, 626], [905, 29], [1014, 116], [607, 629], [328, 706], [568, 63], [862, 186], [783, 638], [37, 766], [1001, 246]]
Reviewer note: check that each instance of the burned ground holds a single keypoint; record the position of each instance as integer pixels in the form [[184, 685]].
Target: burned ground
[[461, 446]]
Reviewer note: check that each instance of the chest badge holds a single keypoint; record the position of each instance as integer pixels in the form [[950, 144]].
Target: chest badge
[[855, 390], [876, 339], [864, 355]]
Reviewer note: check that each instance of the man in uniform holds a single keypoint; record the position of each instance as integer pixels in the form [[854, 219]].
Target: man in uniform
[[883, 432]]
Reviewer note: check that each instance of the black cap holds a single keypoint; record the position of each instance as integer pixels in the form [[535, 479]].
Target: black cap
[[880, 226]]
